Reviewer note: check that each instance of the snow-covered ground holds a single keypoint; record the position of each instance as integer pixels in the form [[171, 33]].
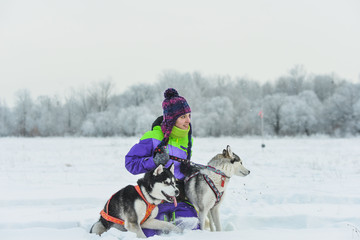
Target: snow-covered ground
[[54, 188]]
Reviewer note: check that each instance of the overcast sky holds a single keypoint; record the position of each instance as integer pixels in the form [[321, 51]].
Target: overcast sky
[[50, 46]]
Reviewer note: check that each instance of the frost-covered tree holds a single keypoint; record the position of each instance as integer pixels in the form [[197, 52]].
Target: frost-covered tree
[[102, 124], [293, 82], [248, 89], [216, 118], [83, 105], [48, 116], [357, 116], [24, 124], [99, 95], [339, 110], [267, 89], [324, 86], [247, 121], [135, 120], [140, 95], [297, 117], [73, 119], [6, 120], [316, 110], [272, 118]]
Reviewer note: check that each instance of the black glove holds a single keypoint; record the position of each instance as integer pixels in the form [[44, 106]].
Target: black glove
[[161, 156]]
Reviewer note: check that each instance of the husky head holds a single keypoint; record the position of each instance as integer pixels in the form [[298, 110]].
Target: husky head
[[160, 184], [230, 163]]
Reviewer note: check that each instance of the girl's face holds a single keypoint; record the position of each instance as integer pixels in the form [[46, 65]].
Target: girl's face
[[183, 121]]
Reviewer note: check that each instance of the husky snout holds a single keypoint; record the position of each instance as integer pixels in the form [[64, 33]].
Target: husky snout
[[177, 192], [243, 171]]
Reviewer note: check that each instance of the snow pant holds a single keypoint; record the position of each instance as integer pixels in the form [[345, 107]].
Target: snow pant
[[168, 212]]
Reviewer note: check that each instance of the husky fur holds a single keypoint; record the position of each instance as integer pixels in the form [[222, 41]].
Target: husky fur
[[200, 193], [157, 185]]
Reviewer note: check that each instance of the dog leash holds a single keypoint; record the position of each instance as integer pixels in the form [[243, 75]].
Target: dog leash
[[188, 162], [197, 165], [200, 166]]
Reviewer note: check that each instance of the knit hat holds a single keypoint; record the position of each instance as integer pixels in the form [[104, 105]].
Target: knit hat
[[173, 106]]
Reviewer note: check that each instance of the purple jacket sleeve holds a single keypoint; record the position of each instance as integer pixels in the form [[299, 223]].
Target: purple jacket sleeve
[[140, 157]]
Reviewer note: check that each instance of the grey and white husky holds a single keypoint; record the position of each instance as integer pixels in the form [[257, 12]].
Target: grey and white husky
[[135, 207], [205, 185]]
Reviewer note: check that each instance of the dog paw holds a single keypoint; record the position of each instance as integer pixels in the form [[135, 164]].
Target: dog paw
[[187, 223], [177, 229]]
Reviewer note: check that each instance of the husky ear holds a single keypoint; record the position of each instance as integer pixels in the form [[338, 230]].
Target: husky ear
[[171, 168], [159, 170], [227, 152], [230, 153]]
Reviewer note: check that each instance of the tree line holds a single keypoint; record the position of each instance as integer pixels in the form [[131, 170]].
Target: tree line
[[294, 104]]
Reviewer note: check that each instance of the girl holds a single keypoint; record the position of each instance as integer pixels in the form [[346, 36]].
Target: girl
[[170, 135]]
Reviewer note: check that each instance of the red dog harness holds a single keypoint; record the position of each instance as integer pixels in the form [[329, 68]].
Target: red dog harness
[[211, 184], [149, 208]]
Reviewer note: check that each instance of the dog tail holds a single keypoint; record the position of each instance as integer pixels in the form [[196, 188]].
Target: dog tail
[[98, 228]]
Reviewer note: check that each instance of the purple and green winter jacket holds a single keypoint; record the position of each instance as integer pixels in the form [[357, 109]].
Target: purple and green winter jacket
[[140, 157]]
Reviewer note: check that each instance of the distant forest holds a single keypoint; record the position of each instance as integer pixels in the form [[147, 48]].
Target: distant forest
[[294, 104]]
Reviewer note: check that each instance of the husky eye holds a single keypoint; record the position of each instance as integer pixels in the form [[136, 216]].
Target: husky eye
[[236, 160]]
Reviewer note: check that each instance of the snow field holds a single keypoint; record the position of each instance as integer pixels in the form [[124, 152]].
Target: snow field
[[298, 188]]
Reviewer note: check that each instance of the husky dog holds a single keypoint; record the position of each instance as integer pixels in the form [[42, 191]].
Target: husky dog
[[206, 185], [134, 207]]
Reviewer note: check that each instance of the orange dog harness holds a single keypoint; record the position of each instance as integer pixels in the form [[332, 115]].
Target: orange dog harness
[[149, 208]]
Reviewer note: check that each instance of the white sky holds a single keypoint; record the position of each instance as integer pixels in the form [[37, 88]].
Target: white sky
[[50, 46]]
